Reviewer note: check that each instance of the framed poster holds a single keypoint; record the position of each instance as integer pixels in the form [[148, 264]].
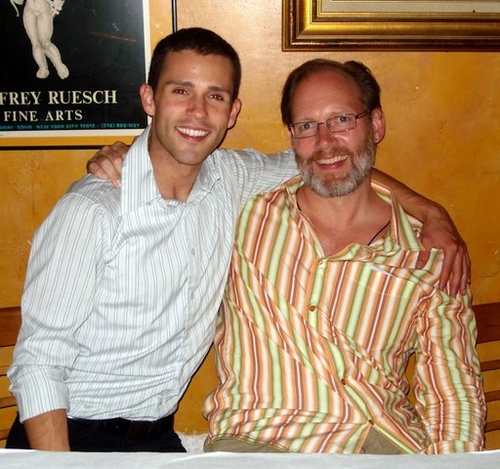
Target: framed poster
[[391, 25], [71, 71]]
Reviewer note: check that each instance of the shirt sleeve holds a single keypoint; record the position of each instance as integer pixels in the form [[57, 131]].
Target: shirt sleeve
[[57, 298], [257, 172], [449, 387]]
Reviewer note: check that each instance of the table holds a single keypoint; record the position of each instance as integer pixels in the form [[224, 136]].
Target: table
[[15, 459]]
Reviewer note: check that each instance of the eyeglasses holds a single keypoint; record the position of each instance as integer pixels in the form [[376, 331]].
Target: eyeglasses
[[340, 123]]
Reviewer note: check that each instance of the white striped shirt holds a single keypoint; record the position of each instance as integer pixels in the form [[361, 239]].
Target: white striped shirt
[[123, 287]]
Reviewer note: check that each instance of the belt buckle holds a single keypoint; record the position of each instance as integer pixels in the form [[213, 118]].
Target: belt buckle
[[140, 429]]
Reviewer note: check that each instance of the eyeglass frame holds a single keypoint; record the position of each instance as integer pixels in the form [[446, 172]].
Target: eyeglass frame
[[317, 124]]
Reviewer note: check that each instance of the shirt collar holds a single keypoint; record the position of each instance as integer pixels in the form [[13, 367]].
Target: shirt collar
[[138, 184], [403, 227]]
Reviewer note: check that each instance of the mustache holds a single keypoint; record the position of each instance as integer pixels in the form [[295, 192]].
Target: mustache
[[330, 153]]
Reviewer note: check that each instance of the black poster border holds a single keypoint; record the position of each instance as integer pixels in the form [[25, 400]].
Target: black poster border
[[88, 94]]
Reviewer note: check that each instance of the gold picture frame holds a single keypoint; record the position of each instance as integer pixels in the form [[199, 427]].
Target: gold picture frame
[[310, 25]]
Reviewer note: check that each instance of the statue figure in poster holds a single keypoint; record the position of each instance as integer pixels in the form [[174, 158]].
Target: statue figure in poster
[[38, 20]]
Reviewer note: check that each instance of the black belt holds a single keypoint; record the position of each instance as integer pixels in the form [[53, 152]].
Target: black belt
[[132, 429]]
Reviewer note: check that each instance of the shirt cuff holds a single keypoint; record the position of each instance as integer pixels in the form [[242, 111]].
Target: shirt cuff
[[447, 447], [40, 392]]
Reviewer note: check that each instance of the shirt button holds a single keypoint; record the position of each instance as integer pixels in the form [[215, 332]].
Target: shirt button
[[193, 252], [371, 422], [312, 308], [343, 381]]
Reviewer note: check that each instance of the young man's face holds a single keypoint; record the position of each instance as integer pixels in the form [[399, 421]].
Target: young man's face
[[334, 164], [192, 107]]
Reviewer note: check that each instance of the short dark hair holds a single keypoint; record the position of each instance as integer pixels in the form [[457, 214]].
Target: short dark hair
[[200, 40], [369, 89]]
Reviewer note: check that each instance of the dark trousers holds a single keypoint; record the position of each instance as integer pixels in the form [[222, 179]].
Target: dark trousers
[[113, 435]]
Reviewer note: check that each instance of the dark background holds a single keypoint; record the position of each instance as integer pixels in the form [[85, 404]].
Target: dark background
[[101, 42]]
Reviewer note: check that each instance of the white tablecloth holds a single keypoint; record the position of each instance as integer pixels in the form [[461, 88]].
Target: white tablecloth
[[13, 459]]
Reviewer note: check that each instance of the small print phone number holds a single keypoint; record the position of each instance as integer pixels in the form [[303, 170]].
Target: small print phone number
[[118, 125]]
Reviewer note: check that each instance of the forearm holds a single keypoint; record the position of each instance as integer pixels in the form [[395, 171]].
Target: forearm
[[415, 204], [457, 427], [450, 392], [438, 231], [48, 431]]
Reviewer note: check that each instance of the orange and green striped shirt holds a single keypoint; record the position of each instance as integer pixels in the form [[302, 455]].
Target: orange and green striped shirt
[[312, 350]]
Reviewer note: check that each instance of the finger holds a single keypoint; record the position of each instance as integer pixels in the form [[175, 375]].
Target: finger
[[456, 275], [422, 259], [110, 166], [95, 168], [116, 156], [448, 267], [106, 163], [103, 169], [120, 148], [94, 163], [467, 273]]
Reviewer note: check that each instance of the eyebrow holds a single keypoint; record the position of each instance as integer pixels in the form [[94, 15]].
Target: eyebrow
[[189, 84], [334, 114]]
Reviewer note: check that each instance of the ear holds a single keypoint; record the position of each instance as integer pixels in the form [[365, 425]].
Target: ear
[[147, 99], [233, 115], [378, 124]]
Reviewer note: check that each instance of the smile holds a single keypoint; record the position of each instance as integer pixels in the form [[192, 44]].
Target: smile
[[192, 132], [334, 160]]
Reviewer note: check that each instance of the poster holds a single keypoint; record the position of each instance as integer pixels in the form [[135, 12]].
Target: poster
[[72, 68]]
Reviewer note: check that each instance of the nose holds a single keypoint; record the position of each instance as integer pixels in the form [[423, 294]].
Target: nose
[[197, 106], [324, 136]]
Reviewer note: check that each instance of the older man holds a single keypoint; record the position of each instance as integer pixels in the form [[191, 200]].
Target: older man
[[325, 303]]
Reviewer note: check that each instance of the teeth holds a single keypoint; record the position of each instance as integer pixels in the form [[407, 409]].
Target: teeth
[[192, 132], [335, 159]]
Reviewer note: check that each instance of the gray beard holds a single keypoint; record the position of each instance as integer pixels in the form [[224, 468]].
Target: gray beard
[[362, 162]]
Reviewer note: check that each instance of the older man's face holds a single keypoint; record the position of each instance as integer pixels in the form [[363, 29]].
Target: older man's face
[[333, 164]]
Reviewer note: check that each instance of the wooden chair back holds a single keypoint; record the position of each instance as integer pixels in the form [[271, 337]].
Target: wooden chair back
[[488, 339], [10, 321], [488, 324]]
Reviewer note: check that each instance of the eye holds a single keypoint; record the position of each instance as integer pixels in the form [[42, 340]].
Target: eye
[[304, 126], [217, 97], [179, 91], [342, 118]]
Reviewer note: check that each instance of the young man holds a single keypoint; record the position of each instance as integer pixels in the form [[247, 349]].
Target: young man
[[123, 285], [325, 305]]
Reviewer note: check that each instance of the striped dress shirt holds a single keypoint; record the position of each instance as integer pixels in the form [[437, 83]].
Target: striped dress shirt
[[312, 350], [123, 287]]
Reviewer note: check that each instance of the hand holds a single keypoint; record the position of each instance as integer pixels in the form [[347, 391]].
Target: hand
[[439, 231], [107, 162]]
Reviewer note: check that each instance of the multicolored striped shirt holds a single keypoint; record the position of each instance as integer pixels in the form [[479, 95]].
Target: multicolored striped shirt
[[312, 350]]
